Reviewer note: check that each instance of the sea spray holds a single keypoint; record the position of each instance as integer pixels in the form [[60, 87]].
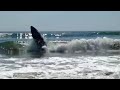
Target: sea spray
[[85, 45]]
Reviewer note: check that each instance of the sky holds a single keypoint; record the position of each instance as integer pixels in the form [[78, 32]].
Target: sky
[[60, 20]]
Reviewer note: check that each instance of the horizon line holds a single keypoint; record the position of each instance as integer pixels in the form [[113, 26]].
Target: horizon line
[[61, 31]]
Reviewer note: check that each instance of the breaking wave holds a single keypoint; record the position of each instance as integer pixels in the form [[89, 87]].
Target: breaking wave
[[74, 46], [85, 45]]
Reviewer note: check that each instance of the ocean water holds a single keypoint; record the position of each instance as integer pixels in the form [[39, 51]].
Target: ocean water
[[70, 55]]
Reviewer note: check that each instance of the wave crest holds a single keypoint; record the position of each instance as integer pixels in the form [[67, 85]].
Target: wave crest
[[85, 45]]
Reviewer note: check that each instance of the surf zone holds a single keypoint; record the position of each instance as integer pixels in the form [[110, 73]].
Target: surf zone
[[38, 46]]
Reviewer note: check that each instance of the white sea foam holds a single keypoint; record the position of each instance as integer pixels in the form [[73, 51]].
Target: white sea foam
[[67, 65], [82, 67], [85, 45]]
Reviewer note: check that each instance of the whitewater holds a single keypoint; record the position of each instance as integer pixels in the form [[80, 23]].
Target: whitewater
[[70, 55]]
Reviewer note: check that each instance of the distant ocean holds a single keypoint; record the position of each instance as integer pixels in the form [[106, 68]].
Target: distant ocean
[[70, 55]]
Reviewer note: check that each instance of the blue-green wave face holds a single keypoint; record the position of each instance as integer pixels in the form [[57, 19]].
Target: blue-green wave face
[[10, 48]]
